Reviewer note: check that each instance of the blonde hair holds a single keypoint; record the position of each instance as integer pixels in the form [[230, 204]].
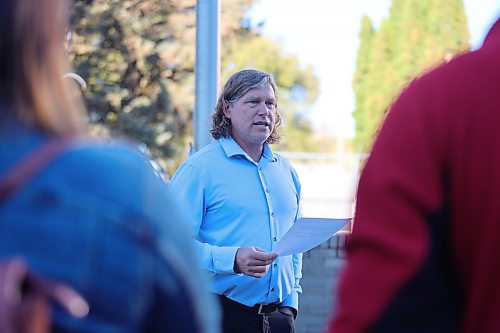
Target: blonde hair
[[34, 63]]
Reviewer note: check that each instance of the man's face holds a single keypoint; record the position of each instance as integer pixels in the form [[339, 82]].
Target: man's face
[[253, 116]]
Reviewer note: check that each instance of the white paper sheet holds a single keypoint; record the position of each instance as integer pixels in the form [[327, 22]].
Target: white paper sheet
[[308, 232]]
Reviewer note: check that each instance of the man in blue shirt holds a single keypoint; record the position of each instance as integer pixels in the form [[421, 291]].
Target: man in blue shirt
[[240, 199]]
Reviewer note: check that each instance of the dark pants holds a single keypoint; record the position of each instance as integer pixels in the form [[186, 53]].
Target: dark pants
[[237, 320]]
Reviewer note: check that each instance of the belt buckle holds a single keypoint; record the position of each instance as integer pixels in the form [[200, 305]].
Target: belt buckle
[[259, 311]]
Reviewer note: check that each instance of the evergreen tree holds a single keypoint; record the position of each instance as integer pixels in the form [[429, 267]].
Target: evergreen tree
[[417, 36], [361, 78]]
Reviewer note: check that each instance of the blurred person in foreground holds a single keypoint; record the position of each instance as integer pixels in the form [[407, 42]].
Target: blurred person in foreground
[[424, 254], [240, 198], [96, 217]]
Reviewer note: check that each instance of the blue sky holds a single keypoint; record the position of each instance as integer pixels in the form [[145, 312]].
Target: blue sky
[[297, 25]]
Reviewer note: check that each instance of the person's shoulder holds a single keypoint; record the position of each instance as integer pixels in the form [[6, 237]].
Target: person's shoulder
[[108, 169], [462, 72], [286, 165], [117, 155], [282, 160], [204, 155]]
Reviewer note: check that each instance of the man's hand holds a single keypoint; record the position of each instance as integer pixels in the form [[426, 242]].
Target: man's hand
[[253, 261]]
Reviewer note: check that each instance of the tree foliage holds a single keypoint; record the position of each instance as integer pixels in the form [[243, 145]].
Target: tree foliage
[[417, 35], [138, 58]]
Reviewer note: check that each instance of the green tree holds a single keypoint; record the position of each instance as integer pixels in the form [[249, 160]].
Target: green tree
[[138, 59], [417, 35], [361, 76]]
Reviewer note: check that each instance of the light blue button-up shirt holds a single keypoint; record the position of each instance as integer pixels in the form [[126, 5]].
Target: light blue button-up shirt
[[232, 201]]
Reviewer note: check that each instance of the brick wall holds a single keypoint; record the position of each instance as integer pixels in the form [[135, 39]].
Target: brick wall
[[321, 267]]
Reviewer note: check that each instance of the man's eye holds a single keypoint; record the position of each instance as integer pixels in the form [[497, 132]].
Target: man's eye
[[253, 102], [270, 104]]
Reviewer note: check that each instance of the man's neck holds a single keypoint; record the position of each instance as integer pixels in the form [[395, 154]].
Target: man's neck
[[255, 151], [255, 156]]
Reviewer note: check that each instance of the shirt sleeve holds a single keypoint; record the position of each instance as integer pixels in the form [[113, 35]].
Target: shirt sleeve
[[188, 186]]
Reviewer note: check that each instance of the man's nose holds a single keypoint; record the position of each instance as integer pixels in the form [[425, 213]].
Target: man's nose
[[264, 110]]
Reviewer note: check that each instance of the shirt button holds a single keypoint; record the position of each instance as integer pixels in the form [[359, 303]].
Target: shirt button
[[274, 239], [267, 191], [275, 265], [272, 289], [272, 214]]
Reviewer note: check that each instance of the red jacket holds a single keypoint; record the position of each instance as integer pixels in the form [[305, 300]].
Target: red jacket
[[425, 250]]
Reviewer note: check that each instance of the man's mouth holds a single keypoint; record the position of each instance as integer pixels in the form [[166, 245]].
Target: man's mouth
[[262, 123]]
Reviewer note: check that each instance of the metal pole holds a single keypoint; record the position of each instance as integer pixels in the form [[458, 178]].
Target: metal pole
[[207, 69]]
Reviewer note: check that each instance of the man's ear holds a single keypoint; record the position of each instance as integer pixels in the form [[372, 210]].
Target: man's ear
[[226, 107]]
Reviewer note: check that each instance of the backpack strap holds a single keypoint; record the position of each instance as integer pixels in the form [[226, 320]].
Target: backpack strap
[[23, 171]]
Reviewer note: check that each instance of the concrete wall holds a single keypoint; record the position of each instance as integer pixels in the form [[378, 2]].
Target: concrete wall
[[321, 268]]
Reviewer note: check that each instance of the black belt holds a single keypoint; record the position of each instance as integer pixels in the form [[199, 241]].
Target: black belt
[[258, 308]]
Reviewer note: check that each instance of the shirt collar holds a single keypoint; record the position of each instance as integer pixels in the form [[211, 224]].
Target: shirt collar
[[231, 148], [268, 153]]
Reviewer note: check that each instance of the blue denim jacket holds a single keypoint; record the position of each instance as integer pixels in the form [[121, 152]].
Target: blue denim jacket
[[99, 219]]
